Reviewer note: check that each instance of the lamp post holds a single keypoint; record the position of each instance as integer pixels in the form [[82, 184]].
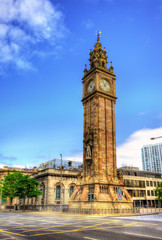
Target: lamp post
[[61, 185], [153, 138]]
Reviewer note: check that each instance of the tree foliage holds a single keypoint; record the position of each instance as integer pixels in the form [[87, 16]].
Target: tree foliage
[[18, 185], [158, 192], [1, 182], [8, 188], [27, 187]]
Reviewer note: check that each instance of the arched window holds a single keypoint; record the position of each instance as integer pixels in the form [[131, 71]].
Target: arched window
[[71, 191], [58, 192]]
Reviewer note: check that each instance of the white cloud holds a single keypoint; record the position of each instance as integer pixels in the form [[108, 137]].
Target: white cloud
[[1, 165], [28, 166], [25, 24], [129, 153], [75, 157]]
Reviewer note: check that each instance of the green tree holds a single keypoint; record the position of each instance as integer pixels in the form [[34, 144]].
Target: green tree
[[8, 188], [158, 192], [18, 185], [27, 187], [1, 184]]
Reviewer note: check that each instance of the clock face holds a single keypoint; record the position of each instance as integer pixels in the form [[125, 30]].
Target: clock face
[[104, 85], [91, 86]]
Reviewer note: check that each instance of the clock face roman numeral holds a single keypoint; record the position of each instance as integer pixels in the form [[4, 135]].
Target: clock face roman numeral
[[104, 85], [91, 86]]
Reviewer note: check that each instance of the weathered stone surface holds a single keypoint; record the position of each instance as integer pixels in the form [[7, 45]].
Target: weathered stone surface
[[99, 158]]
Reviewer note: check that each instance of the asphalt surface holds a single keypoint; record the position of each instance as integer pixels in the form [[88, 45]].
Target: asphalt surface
[[53, 226]]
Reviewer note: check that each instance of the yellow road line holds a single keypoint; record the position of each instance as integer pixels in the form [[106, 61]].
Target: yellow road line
[[58, 225], [86, 229], [12, 233], [65, 224], [138, 225]]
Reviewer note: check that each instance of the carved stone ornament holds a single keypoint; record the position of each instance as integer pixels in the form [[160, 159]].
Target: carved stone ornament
[[120, 174], [88, 143]]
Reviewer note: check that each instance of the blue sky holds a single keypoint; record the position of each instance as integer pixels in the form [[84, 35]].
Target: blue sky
[[44, 46]]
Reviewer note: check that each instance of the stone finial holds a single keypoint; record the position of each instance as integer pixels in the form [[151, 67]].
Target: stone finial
[[111, 67], [98, 57], [85, 69]]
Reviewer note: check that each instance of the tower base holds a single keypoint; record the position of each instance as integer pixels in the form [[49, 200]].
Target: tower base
[[105, 197]]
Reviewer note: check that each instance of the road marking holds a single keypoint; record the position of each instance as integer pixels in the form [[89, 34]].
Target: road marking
[[82, 227], [9, 238], [12, 233], [91, 238], [142, 235], [137, 225], [86, 228], [49, 227]]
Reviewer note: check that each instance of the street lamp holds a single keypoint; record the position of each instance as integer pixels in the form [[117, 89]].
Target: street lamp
[[61, 186], [153, 138]]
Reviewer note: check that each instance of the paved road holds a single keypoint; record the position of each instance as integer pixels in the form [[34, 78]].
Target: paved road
[[43, 226]]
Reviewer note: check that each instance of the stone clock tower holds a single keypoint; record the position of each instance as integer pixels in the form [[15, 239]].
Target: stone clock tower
[[99, 143]]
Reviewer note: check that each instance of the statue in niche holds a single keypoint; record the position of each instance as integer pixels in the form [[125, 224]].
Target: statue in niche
[[88, 152], [88, 143]]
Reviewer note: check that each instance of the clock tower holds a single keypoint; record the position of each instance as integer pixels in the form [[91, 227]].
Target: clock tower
[[99, 140]]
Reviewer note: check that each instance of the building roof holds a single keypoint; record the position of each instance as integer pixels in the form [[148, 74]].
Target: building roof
[[136, 172]]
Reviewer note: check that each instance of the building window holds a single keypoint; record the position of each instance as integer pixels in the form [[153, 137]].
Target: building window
[[152, 193], [137, 184], [154, 184], [151, 183], [58, 190], [71, 191], [148, 192], [147, 183], [142, 184]]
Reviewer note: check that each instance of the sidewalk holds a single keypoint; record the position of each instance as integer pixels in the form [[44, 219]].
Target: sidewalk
[[53, 213]]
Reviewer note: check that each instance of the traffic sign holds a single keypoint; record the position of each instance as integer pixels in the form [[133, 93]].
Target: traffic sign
[[119, 194], [90, 197]]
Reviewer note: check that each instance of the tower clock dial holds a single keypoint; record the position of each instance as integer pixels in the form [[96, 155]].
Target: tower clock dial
[[104, 85], [91, 86]]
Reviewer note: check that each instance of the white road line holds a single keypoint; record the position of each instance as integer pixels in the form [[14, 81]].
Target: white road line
[[142, 235], [91, 238], [16, 223], [8, 238]]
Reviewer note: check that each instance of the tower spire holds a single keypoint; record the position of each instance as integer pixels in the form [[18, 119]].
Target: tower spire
[[98, 57], [98, 33]]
